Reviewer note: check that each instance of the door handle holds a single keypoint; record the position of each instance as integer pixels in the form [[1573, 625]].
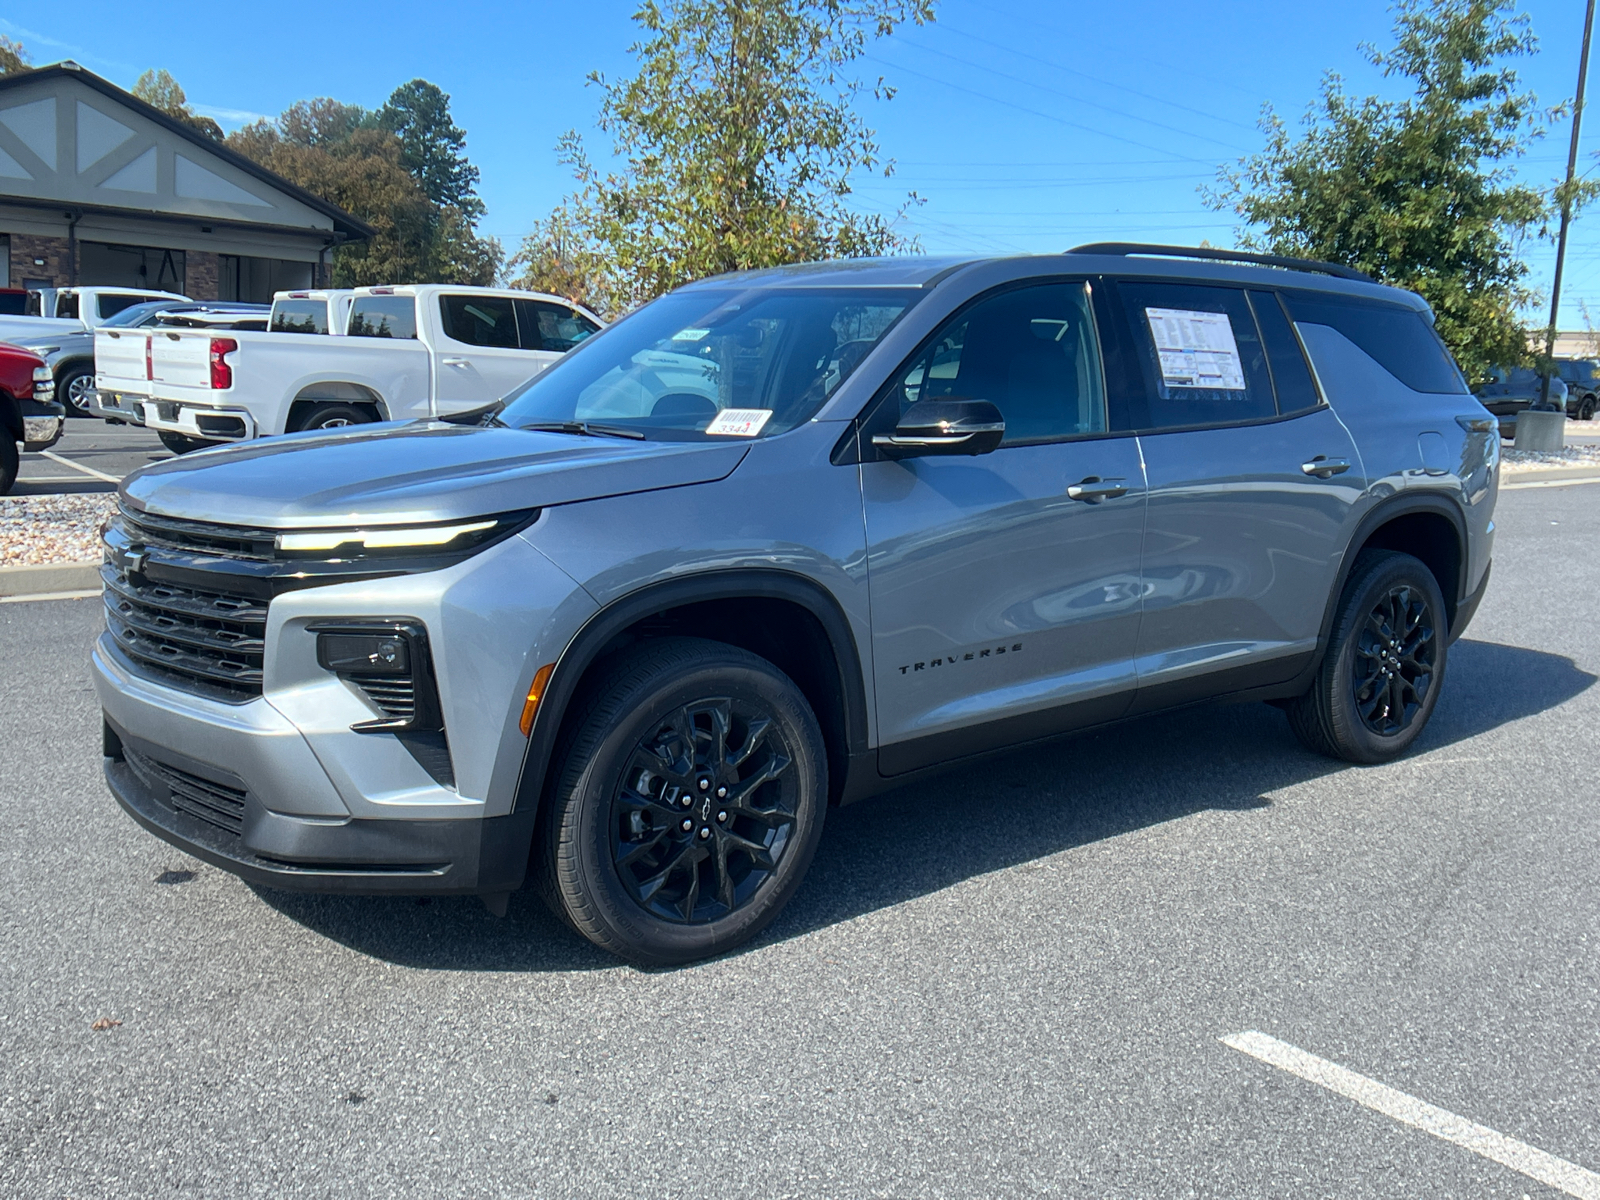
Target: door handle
[[1324, 467], [1094, 489], [454, 362]]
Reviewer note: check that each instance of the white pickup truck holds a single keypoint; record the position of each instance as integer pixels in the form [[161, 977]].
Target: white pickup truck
[[61, 311], [409, 351]]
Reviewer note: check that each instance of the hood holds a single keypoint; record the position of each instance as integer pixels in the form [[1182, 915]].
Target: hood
[[419, 471]]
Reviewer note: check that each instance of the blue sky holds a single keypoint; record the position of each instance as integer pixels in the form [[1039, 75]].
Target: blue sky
[[1026, 126]]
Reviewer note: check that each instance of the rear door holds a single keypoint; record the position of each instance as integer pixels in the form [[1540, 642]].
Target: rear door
[[1005, 587], [480, 357], [1253, 489]]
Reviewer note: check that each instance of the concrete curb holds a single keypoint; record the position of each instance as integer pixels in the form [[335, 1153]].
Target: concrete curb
[[57, 577], [1548, 474]]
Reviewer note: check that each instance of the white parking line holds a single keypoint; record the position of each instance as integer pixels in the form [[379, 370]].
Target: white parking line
[[1497, 1147], [1546, 483], [67, 462], [50, 596]]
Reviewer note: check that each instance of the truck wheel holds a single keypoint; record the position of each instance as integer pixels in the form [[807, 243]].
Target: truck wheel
[[333, 416], [1380, 676], [179, 443], [1586, 409], [688, 801], [73, 389], [10, 460]]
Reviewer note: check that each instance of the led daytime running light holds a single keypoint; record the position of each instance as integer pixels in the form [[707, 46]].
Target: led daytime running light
[[379, 539]]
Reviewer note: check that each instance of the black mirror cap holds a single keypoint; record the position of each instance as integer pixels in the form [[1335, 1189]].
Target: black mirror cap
[[944, 426]]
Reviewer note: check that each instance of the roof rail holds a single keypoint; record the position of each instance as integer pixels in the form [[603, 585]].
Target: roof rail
[[1245, 256]]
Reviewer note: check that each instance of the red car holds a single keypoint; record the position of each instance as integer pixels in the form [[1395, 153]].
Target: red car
[[29, 411]]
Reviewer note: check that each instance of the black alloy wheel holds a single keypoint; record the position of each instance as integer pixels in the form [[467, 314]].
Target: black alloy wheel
[[705, 811], [1586, 409], [334, 416], [1394, 661], [687, 797], [1381, 674]]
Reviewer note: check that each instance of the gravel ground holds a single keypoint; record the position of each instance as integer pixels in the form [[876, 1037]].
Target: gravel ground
[[1572, 456], [37, 530]]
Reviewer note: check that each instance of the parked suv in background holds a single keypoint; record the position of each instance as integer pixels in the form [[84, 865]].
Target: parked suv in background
[[1582, 377], [781, 540], [1512, 390]]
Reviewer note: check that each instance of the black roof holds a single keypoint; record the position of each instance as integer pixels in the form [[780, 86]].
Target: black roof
[[352, 228]]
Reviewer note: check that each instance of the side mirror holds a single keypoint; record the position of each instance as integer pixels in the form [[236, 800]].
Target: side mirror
[[943, 427]]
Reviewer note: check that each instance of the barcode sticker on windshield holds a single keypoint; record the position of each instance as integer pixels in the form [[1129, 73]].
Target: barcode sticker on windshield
[[739, 422]]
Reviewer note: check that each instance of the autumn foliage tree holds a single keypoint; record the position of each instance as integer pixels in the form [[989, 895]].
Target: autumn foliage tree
[[738, 142]]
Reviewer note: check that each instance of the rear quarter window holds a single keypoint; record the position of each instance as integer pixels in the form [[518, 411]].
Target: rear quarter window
[[1399, 339], [300, 316], [383, 316]]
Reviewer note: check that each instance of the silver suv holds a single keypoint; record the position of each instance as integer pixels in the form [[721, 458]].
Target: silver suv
[[779, 541]]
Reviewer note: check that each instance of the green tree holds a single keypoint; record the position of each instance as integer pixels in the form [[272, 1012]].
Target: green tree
[[160, 90], [13, 58], [1418, 192], [739, 140], [342, 153], [432, 146]]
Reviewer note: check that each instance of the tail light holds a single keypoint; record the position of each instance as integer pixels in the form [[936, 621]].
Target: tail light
[[221, 371], [149, 364]]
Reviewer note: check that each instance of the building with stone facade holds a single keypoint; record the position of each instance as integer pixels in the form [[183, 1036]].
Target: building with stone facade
[[98, 187]]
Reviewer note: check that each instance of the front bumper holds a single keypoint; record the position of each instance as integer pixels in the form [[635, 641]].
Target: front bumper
[[203, 422], [116, 406], [41, 422], [162, 790]]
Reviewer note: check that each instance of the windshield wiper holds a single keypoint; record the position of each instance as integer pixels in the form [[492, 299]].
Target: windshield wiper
[[584, 429]]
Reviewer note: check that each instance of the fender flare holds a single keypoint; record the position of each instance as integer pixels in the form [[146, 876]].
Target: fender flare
[[732, 584]]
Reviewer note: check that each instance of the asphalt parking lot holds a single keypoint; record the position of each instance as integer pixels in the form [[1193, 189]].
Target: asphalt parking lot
[[90, 457], [1012, 981]]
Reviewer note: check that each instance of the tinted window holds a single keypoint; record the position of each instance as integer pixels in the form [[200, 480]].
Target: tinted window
[[299, 316], [139, 314], [1031, 352], [1291, 378], [1400, 339], [547, 326], [670, 368], [67, 306], [111, 305], [1200, 354], [479, 320], [383, 316]]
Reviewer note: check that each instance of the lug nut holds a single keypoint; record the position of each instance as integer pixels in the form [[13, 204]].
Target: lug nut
[[705, 832], [722, 793], [687, 825], [722, 816], [704, 784]]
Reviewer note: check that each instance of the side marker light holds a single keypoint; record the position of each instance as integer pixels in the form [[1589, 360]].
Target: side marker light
[[541, 680]]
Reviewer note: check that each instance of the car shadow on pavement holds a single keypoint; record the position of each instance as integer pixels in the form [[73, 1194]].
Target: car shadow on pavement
[[999, 812]]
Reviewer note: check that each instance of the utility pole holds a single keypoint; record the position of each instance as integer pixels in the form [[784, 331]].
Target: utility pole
[[1566, 211]]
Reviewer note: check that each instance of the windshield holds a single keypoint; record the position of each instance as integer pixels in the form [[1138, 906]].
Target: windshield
[[702, 364], [132, 316]]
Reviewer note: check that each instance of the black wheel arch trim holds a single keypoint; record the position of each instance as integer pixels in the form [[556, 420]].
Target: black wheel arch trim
[[584, 647]]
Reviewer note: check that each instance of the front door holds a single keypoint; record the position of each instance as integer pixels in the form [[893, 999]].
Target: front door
[[1005, 587], [1253, 487]]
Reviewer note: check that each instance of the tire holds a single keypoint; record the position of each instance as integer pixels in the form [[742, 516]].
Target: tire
[[179, 443], [10, 461], [333, 416], [70, 390], [615, 860], [1343, 715], [1586, 409]]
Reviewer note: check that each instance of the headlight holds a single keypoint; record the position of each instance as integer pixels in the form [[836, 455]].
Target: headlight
[[44, 383], [458, 537]]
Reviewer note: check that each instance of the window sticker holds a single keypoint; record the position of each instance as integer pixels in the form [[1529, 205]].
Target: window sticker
[[690, 335], [1196, 349], [739, 422]]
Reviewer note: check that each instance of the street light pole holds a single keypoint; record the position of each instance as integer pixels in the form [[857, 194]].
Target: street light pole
[[1566, 210]]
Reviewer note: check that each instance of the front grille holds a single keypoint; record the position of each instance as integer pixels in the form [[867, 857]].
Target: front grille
[[197, 537], [214, 803], [208, 640]]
